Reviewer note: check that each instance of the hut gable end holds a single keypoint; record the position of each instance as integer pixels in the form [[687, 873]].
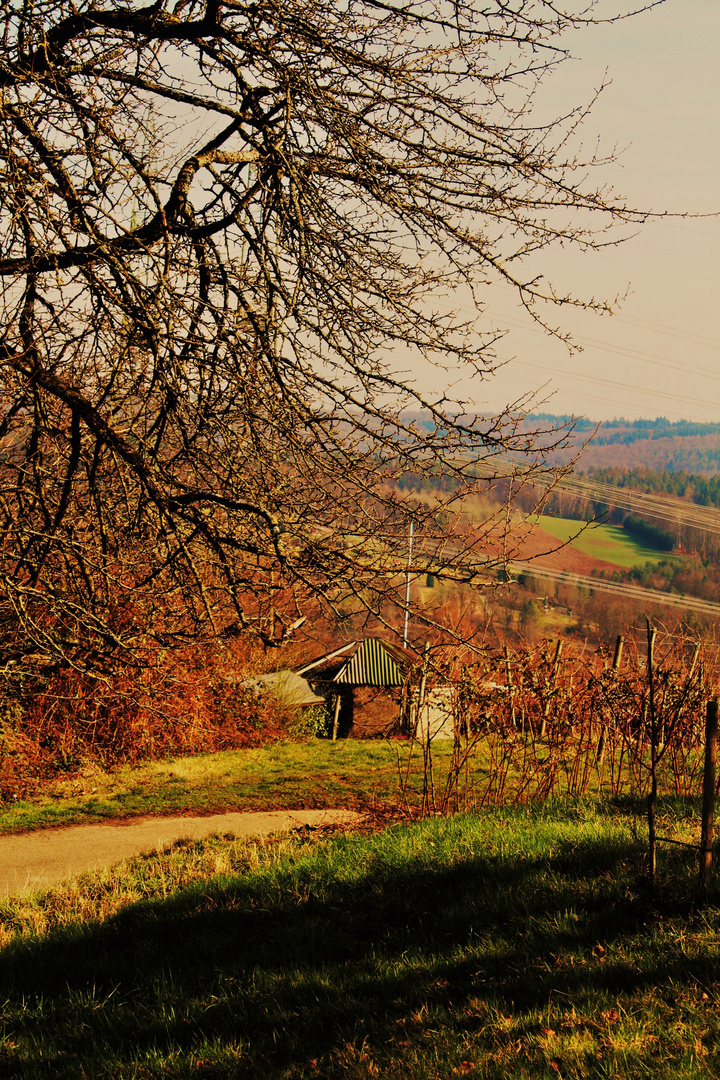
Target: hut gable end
[[371, 665]]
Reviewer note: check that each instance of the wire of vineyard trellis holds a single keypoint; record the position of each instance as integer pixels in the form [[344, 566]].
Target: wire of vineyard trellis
[[532, 724]]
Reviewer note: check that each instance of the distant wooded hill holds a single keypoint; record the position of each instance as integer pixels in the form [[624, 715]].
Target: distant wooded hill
[[701, 490], [659, 445]]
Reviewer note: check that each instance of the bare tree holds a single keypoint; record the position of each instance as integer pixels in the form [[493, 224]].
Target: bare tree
[[218, 220]]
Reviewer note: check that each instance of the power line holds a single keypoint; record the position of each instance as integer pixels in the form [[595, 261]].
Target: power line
[[705, 518], [620, 588]]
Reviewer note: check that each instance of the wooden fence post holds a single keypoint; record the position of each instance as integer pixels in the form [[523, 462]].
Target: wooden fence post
[[602, 741], [708, 800], [421, 691], [428, 803], [511, 691], [652, 796], [553, 680], [336, 717]]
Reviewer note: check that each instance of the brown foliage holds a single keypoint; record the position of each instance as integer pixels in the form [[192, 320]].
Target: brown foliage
[[547, 723], [173, 703], [200, 415]]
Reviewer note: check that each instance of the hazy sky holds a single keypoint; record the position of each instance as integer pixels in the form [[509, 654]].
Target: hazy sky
[[660, 355]]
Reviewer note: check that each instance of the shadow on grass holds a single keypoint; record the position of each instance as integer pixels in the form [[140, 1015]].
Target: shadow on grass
[[280, 973], [677, 806]]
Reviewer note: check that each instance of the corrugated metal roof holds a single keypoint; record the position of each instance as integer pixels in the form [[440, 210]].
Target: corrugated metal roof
[[371, 665], [326, 658]]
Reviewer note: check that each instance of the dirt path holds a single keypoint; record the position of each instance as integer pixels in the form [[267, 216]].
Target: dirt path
[[37, 860]]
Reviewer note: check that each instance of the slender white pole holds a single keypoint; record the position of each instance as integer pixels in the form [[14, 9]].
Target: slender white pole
[[407, 586]]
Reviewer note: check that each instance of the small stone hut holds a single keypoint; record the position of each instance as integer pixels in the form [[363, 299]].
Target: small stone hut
[[365, 686], [286, 687]]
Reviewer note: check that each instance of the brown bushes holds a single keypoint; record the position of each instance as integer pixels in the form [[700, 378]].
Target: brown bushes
[[171, 703]]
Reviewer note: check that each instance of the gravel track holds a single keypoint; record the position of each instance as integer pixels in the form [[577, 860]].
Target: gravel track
[[31, 862]]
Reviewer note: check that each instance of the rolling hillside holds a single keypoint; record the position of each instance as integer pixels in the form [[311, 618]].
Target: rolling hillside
[[555, 543]]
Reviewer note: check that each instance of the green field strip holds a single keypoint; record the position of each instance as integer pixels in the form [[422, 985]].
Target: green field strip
[[608, 542]]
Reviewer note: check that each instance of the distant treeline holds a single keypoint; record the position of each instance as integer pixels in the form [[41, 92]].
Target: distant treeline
[[653, 429], [626, 432], [702, 490], [617, 430], [432, 482], [652, 535], [561, 420], [679, 445]]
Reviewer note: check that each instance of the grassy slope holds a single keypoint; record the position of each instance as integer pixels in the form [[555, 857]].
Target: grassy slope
[[292, 775], [512, 944], [376, 776], [608, 542]]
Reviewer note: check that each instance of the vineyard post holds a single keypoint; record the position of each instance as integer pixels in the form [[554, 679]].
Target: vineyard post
[[524, 714], [423, 684], [708, 800], [604, 731], [511, 694], [428, 778], [336, 717], [652, 797], [553, 680]]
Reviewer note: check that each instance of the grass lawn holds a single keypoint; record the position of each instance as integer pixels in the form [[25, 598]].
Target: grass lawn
[[515, 943], [608, 542], [378, 777], [291, 775]]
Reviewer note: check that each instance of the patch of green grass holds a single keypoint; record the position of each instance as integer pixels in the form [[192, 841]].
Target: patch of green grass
[[517, 943], [373, 776], [292, 775], [608, 542]]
